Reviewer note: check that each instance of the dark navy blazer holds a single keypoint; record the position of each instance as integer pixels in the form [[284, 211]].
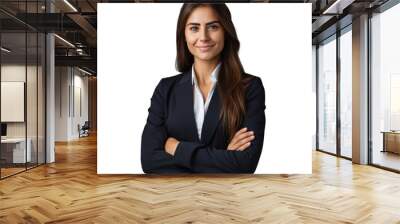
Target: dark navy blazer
[[171, 114]]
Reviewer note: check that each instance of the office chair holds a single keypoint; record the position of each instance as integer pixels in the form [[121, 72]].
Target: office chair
[[84, 130]]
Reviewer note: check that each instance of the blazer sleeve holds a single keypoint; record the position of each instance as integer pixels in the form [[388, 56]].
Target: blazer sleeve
[[154, 159], [206, 159]]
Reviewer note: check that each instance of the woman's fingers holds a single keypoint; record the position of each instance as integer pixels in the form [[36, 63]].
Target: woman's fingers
[[245, 143], [245, 135], [246, 140], [243, 130], [244, 146], [241, 139], [240, 135], [233, 144]]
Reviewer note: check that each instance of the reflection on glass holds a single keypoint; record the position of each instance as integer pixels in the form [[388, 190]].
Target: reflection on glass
[[327, 96], [395, 102], [386, 88], [14, 153], [32, 85], [22, 90], [32, 97], [41, 98], [346, 94]]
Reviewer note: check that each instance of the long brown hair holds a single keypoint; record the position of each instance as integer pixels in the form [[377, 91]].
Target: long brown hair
[[231, 84]]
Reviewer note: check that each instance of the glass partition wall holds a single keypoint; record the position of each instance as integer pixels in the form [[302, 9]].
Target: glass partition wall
[[345, 61], [327, 95], [13, 110], [385, 89], [22, 77], [334, 75], [335, 90]]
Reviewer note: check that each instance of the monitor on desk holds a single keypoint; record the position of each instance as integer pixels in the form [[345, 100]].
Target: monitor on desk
[[3, 130]]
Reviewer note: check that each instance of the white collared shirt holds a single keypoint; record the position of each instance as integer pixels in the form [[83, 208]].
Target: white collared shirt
[[200, 107]]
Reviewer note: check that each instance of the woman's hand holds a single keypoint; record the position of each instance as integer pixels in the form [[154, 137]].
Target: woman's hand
[[241, 140], [170, 145]]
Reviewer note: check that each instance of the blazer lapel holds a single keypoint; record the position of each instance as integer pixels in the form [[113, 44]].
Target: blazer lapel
[[211, 118], [185, 99]]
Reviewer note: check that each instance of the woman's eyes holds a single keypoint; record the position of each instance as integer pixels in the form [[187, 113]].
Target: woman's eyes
[[213, 27], [196, 28]]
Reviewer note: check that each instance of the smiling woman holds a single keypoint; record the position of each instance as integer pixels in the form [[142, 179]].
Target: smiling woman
[[210, 118], [205, 40]]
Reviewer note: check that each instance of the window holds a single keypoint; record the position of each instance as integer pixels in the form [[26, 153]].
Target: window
[[346, 93], [385, 88], [327, 96]]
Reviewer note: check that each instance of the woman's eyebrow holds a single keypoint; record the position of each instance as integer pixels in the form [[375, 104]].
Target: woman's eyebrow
[[212, 22], [209, 23]]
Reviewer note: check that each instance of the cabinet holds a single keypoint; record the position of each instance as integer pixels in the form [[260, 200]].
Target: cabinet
[[391, 141]]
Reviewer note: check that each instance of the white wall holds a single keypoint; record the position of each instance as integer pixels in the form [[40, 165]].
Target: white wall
[[61, 103], [70, 83], [81, 83]]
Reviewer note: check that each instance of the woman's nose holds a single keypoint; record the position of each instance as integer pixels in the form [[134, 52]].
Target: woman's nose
[[204, 35]]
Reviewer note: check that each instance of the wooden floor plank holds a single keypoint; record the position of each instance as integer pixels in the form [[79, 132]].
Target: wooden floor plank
[[70, 191]]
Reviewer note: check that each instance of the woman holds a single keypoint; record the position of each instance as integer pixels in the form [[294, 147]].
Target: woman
[[210, 118]]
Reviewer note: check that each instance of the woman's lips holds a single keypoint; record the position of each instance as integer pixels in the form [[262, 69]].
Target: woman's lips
[[205, 48]]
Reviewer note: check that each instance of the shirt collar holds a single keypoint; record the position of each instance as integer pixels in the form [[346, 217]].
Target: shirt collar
[[214, 74]]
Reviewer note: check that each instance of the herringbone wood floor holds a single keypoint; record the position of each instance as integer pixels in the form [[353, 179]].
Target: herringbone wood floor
[[70, 191]]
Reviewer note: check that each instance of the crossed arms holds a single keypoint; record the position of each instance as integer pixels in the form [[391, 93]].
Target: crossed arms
[[158, 156]]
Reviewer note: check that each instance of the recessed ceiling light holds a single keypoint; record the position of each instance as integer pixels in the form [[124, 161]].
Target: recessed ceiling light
[[64, 40], [70, 5], [337, 7], [84, 71], [5, 50]]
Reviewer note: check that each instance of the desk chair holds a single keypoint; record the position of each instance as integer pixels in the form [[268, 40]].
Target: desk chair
[[84, 130]]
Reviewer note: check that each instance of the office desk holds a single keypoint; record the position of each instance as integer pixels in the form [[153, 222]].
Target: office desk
[[15, 148], [391, 141]]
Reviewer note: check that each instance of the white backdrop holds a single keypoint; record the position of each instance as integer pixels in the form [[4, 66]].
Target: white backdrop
[[136, 48]]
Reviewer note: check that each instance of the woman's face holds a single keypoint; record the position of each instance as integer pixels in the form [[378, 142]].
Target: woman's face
[[204, 34]]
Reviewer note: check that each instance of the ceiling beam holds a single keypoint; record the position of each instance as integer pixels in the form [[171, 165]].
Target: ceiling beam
[[85, 61], [337, 6], [83, 23]]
